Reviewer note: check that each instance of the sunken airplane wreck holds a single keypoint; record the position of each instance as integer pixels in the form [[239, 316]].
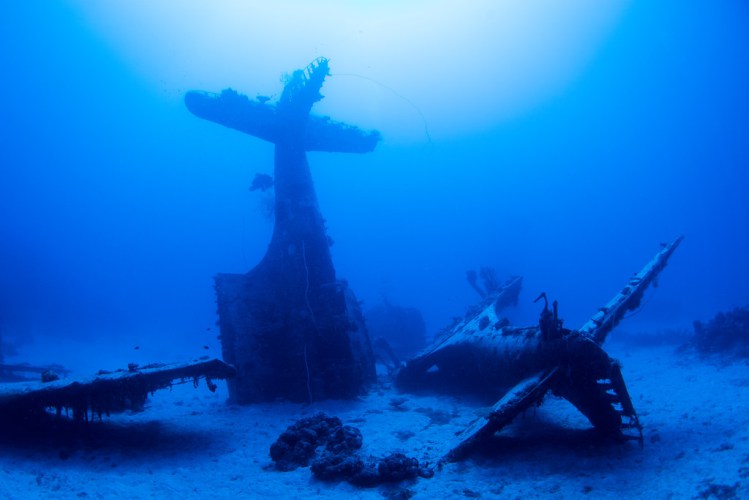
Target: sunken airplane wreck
[[483, 354], [289, 325], [273, 318]]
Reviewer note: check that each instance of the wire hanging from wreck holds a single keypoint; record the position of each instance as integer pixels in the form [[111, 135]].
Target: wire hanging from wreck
[[395, 93]]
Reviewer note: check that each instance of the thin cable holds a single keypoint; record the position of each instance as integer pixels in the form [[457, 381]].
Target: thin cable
[[306, 288], [306, 285], [641, 306], [395, 93], [306, 366]]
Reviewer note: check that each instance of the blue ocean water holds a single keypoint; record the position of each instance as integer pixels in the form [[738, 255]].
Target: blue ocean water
[[117, 206]]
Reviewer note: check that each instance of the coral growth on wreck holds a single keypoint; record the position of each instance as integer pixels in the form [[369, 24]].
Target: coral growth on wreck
[[727, 332]]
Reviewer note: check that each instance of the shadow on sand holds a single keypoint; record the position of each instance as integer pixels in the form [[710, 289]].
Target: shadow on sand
[[49, 434], [537, 440]]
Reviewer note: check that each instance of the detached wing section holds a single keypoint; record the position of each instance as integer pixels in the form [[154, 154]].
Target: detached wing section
[[107, 392]]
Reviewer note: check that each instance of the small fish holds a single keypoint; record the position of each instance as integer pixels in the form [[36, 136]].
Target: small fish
[[263, 182], [206, 347]]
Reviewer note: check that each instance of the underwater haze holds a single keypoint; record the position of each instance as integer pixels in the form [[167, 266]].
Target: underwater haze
[[560, 141]]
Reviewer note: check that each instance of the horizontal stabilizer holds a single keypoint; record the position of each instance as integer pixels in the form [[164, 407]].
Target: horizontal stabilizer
[[253, 117]]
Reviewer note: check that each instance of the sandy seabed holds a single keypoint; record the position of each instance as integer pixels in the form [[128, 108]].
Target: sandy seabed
[[190, 444]]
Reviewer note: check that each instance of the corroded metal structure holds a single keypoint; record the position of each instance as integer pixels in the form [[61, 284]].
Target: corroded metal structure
[[291, 328], [106, 392], [483, 354]]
